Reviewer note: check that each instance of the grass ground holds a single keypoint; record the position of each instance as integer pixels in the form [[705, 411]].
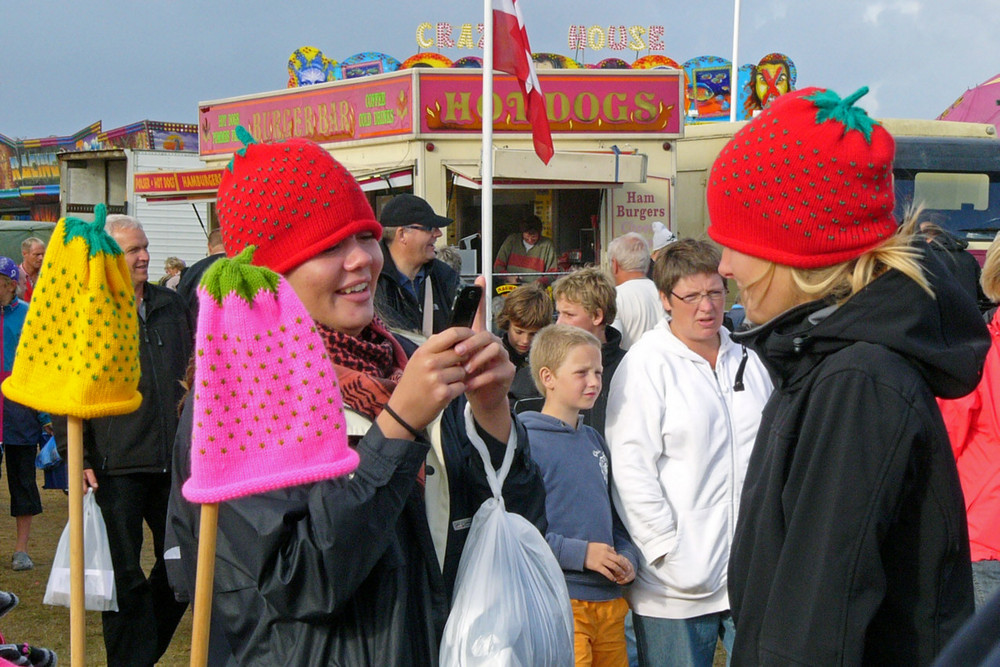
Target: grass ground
[[39, 624], [42, 625]]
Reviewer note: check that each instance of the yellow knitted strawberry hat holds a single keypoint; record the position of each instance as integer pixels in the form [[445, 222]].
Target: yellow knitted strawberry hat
[[79, 349]]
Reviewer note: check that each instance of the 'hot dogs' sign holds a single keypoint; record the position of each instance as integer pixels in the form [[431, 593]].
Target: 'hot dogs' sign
[[446, 101], [591, 102]]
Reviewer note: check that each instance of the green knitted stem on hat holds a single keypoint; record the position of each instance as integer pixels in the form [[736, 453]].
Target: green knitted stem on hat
[[239, 275], [831, 107], [92, 233], [243, 135]]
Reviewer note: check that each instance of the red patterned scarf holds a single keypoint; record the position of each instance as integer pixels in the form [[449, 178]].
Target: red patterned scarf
[[368, 365]]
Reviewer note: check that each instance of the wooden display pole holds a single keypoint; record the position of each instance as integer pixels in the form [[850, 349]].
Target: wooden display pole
[[77, 612], [203, 584]]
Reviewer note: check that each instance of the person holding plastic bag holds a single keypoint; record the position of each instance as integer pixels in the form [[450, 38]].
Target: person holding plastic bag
[[588, 538], [359, 570], [511, 604]]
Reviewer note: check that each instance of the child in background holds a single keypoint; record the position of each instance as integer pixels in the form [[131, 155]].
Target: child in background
[[585, 533], [586, 299], [525, 310]]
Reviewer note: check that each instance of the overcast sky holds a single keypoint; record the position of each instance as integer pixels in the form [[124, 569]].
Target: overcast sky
[[64, 65]]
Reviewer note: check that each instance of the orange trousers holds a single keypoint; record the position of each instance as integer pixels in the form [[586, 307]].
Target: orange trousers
[[599, 632]]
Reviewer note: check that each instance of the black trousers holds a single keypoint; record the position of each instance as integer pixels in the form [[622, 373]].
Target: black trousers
[[140, 631]]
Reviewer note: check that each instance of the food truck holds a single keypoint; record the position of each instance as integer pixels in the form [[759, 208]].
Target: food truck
[[418, 130], [624, 156], [108, 171]]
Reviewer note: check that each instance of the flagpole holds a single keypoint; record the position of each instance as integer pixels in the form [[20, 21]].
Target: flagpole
[[734, 75], [486, 162]]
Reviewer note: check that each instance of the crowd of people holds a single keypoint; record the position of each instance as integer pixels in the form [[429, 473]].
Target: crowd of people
[[781, 484]]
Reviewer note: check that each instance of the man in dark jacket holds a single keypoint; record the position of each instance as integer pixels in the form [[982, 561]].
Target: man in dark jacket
[[188, 286], [127, 462], [412, 278]]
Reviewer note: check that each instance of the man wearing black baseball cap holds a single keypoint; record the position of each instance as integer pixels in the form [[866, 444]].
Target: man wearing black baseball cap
[[415, 290]]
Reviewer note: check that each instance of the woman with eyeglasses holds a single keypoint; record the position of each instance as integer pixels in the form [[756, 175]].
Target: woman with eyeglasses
[[851, 544], [681, 421]]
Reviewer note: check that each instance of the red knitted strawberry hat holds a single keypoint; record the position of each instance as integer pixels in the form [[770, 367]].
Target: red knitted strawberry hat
[[807, 183], [291, 200]]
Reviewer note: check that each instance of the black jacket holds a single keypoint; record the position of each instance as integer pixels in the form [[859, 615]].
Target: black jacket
[[522, 387], [188, 285], [142, 441], [611, 355], [960, 262], [344, 572], [399, 309], [851, 545]]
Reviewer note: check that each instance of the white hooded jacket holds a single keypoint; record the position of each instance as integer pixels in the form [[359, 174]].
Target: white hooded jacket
[[680, 437]]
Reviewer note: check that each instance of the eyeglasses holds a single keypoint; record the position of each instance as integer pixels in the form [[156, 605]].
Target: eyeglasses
[[715, 296], [423, 228]]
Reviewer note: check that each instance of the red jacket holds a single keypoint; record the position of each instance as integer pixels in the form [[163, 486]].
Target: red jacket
[[973, 423]]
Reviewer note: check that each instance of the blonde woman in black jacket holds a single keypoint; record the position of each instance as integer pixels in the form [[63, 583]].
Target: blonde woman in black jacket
[[851, 544]]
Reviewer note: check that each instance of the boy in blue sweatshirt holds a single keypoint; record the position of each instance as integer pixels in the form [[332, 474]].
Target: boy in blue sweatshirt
[[585, 533]]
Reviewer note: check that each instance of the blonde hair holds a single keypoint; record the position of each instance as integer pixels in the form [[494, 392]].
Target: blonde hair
[[840, 282], [990, 278], [27, 244], [174, 263], [592, 289], [552, 345], [527, 307]]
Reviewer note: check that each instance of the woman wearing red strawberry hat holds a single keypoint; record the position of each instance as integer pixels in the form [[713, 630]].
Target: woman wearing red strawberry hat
[[357, 570], [851, 545]]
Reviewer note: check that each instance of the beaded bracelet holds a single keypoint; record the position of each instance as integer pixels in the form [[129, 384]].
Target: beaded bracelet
[[392, 413]]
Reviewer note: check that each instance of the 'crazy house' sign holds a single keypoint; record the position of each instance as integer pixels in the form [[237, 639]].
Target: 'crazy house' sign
[[443, 35]]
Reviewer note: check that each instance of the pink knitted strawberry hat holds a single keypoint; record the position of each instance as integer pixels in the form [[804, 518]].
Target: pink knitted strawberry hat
[[267, 409]]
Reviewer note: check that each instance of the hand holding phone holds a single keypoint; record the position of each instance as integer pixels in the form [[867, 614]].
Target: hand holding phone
[[463, 312]]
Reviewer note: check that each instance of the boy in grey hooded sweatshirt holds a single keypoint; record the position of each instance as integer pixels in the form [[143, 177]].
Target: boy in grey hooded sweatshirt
[[588, 539]]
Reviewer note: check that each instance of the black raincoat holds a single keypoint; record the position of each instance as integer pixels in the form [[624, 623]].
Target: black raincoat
[[344, 572], [851, 545]]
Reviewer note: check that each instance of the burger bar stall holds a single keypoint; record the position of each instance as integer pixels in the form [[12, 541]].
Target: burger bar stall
[[418, 131]]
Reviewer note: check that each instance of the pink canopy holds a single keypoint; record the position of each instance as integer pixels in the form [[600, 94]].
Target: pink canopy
[[977, 105]]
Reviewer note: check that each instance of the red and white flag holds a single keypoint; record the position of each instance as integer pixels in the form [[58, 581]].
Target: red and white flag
[[512, 54]]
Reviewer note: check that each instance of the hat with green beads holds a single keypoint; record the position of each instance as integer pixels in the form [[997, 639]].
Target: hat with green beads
[[807, 183], [78, 354], [267, 409]]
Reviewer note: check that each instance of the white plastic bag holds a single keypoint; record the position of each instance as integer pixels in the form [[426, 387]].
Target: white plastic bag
[[511, 606], [98, 573]]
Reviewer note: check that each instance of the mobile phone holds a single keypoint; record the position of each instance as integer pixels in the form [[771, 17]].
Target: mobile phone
[[463, 311]]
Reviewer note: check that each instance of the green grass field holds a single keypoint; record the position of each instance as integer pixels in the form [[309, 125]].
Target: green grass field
[[39, 624]]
